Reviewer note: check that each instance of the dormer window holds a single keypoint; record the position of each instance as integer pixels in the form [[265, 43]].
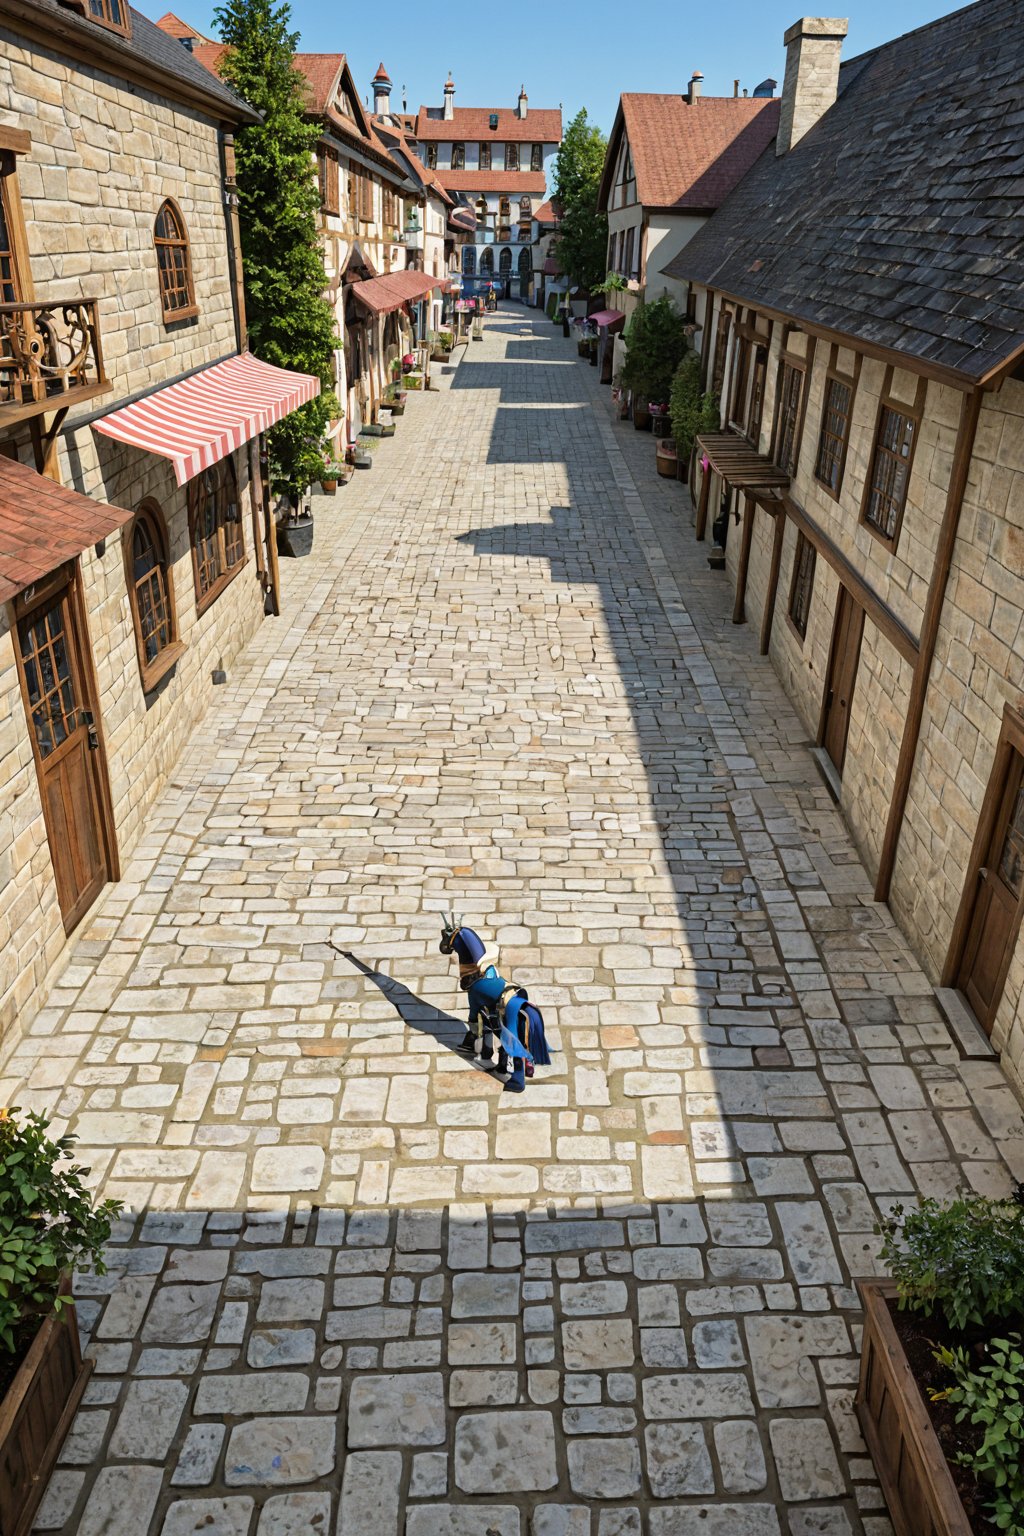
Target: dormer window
[[493, 120], [458, 157], [112, 14]]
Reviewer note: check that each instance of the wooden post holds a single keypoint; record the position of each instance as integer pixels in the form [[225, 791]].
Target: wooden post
[[738, 614], [44, 443], [702, 505], [227, 139], [970, 410], [779, 534], [270, 531]]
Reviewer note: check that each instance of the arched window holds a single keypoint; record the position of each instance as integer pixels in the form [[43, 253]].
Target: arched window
[[487, 261], [215, 530], [505, 261], [525, 273], [174, 264], [468, 260], [151, 594]]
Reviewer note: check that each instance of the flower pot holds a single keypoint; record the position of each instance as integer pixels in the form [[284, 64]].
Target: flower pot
[[328, 487], [295, 536], [641, 417], [666, 460], [912, 1470], [396, 407], [361, 459], [35, 1415], [581, 349]]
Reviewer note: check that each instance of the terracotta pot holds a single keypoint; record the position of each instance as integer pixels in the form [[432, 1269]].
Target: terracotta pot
[[35, 1415], [912, 1470], [666, 463], [328, 487], [641, 417]]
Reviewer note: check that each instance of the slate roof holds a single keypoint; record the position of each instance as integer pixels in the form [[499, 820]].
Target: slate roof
[[543, 126], [689, 156], [148, 44], [514, 183], [898, 219]]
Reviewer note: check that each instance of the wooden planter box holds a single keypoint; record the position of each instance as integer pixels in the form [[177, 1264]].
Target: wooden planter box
[[915, 1478], [35, 1416]]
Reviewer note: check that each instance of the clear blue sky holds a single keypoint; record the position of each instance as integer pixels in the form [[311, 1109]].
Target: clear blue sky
[[568, 52]]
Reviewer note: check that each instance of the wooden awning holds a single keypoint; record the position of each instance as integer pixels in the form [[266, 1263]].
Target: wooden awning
[[740, 465], [42, 524]]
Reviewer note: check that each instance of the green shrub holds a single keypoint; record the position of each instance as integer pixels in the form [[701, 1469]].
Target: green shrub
[[964, 1260], [991, 1397], [49, 1222], [691, 411], [655, 345]]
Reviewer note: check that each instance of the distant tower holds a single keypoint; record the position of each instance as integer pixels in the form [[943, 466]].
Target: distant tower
[[381, 90], [521, 109], [449, 100]]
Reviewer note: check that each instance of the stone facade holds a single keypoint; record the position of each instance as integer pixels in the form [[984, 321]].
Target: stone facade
[[981, 634], [812, 75], [105, 153]]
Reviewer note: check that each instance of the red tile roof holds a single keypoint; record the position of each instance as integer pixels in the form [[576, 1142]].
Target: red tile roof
[[210, 55], [690, 156], [393, 289], [537, 127], [321, 71], [545, 214], [513, 182], [42, 524], [175, 27]]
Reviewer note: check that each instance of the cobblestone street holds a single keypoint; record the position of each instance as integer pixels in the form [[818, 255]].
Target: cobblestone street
[[358, 1290]]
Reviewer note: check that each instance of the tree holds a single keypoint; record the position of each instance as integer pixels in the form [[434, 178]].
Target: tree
[[581, 243], [291, 324]]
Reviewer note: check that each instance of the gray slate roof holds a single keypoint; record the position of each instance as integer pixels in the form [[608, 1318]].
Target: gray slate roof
[[153, 47], [899, 219]]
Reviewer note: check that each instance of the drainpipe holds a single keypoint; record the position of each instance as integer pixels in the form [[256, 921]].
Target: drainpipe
[[227, 147]]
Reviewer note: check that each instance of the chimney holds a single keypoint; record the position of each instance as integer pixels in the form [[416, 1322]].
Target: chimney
[[521, 109], [735, 89], [381, 91], [449, 100], [812, 76], [694, 87]]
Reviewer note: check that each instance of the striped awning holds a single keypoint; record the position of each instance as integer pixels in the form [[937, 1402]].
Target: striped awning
[[200, 420]]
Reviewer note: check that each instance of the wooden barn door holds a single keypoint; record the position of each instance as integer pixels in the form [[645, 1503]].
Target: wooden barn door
[[995, 915], [842, 677]]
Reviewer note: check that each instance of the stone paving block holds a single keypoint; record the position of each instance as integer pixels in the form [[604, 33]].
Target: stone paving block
[[805, 1459], [369, 1504], [296, 1514], [121, 1502], [509, 1452], [212, 1517], [604, 1469], [678, 1460], [148, 1420], [269, 1451], [396, 1410], [463, 1520]]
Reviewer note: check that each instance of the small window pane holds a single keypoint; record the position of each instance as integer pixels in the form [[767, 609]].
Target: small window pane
[[835, 429], [803, 584], [889, 472], [173, 263]]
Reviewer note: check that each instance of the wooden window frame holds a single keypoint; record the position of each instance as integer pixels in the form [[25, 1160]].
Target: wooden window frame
[[190, 310], [226, 573], [835, 375], [102, 16], [801, 366], [468, 263], [799, 582], [13, 142], [913, 414], [458, 156], [328, 171], [484, 157], [627, 259], [512, 155], [720, 356], [152, 672], [366, 198]]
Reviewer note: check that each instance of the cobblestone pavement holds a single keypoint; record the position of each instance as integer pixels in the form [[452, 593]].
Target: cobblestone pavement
[[363, 1293]]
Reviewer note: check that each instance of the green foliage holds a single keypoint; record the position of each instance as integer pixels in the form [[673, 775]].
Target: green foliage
[[655, 345], [991, 1397], [49, 1223], [964, 1260], [612, 283], [581, 240], [291, 324], [690, 410]]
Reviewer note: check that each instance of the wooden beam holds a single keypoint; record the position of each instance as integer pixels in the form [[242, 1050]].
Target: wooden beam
[[738, 612], [778, 534], [702, 505], [17, 140], [970, 410], [880, 614], [44, 443]]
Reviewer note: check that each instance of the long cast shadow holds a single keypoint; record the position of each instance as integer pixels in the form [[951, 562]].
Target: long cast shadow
[[415, 1012]]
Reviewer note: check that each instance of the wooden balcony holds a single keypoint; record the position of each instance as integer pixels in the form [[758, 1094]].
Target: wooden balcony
[[50, 357]]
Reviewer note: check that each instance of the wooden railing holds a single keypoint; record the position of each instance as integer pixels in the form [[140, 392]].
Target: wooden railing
[[51, 357]]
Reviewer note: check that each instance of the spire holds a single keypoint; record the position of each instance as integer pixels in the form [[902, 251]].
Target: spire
[[381, 90]]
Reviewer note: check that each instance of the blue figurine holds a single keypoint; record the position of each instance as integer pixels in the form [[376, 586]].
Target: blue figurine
[[496, 1008]]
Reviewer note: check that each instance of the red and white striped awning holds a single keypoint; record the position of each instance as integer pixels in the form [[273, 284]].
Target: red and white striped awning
[[199, 421]]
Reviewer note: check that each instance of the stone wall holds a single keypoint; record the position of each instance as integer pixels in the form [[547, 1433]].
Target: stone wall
[[104, 156]]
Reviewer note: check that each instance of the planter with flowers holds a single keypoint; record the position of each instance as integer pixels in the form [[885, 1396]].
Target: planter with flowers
[[442, 349], [655, 343], [941, 1394], [50, 1225], [334, 473], [394, 400]]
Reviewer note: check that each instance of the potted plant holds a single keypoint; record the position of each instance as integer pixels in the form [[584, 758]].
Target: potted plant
[[665, 457], [395, 399], [295, 527], [333, 472], [362, 453], [442, 349], [691, 411], [655, 344], [661, 424], [941, 1394], [50, 1225]]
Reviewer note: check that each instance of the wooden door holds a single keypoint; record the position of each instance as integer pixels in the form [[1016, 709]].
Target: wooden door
[[846, 639], [66, 744], [996, 913]]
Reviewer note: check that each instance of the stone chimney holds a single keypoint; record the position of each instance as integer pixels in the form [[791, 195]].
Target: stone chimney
[[381, 91], [812, 76], [449, 100], [521, 108], [693, 90]]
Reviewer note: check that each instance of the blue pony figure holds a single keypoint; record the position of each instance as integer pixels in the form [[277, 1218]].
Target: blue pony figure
[[497, 1009]]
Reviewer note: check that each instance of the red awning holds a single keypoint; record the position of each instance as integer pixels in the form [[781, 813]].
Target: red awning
[[551, 267], [42, 524], [607, 319], [383, 294], [199, 421]]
